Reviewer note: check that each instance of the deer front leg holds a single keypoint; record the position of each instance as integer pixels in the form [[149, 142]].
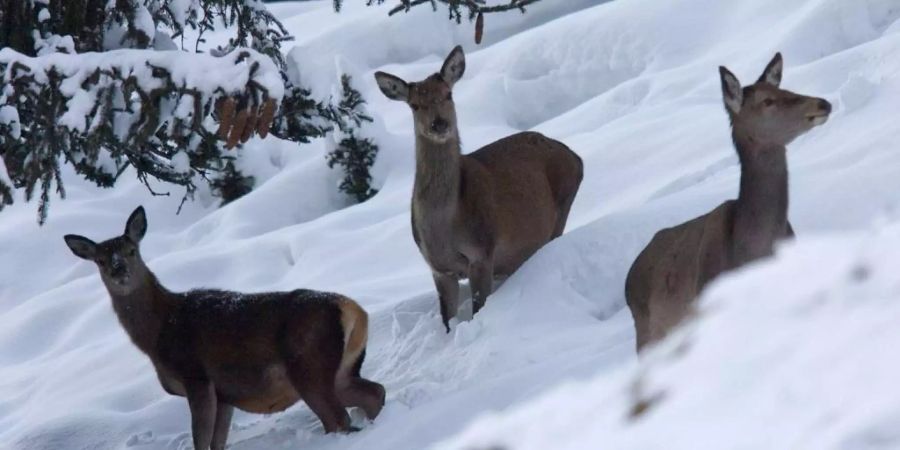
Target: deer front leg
[[202, 401], [448, 295], [481, 279], [223, 424]]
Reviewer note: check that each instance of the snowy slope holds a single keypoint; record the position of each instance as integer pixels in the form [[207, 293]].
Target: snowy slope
[[632, 87], [791, 354]]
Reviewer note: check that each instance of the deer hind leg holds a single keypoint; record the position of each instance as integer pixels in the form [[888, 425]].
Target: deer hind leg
[[564, 202], [320, 395], [564, 176], [223, 424], [641, 315], [352, 389], [481, 278], [313, 370], [448, 295], [323, 401], [642, 333], [356, 391]]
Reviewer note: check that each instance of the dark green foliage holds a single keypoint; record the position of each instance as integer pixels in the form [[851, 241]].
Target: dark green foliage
[[139, 116], [16, 23], [356, 155], [301, 118], [170, 127], [231, 184]]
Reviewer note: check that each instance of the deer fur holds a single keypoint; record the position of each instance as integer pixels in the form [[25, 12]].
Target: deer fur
[[678, 262], [223, 350], [481, 215]]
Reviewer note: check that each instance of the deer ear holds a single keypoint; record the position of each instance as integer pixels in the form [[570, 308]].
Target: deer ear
[[772, 73], [732, 93], [136, 226], [454, 66], [81, 246], [393, 87]]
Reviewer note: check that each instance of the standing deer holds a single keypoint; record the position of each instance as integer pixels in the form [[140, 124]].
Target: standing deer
[[258, 352], [679, 261], [479, 215]]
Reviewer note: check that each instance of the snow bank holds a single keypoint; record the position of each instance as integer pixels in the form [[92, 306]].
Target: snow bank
[[791, 353], [633, 88]]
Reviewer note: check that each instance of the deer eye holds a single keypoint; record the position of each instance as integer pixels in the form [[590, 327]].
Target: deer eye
[[414, 107], [131, 252], [768, 102]]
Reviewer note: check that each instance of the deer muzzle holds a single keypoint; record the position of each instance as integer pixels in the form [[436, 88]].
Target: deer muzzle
[[820, 115], [439, 125]]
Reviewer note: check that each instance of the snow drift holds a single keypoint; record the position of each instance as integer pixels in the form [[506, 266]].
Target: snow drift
[[630, 86], [795, 353]]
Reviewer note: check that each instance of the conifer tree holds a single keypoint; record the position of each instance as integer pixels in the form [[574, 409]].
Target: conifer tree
[[354, 153], [172, 116]]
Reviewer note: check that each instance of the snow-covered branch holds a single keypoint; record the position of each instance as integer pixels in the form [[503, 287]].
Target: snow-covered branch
[[455, 7], [102, 111]]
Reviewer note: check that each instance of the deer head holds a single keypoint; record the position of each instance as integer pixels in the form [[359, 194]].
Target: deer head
[[431, 100], [119, 258], [767, 114]]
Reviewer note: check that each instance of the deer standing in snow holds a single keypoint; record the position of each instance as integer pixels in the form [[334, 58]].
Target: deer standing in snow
[[479, 215], [678, 262], [258, 352]]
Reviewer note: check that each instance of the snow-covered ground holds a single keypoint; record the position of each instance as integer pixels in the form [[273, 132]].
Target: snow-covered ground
[[799, 352]]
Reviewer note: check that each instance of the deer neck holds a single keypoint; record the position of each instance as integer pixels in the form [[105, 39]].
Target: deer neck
[[437, 181], [143, 311], [761, 209]]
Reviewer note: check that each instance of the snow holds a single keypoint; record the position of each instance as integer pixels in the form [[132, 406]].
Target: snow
[[807, 367], [9, 116], [43, 15], [207, 73], [789, 353]]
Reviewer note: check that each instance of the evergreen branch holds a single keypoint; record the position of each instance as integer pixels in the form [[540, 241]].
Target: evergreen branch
[[474, 7]]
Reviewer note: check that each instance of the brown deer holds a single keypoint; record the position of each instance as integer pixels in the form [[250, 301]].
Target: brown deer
[[479, 215], [679, 261], [257, 352]]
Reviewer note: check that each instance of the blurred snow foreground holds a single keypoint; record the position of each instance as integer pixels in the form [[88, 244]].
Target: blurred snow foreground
[[800, 352], [795, 352]]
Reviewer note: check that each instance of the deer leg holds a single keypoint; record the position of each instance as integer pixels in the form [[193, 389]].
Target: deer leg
[[448, 295], [356, 391], [481, 279], [314, 374], [640, 313], [375, 395], [789, 233], [563, 215], [223, 424], [202, 402], [642, 335], [323, 401], [362, 393]]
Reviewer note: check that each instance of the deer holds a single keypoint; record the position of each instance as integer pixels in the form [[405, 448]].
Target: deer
[[480, 215], [680, 261], [260, 353]]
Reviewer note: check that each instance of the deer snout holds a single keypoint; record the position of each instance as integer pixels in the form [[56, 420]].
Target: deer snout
[[117, 267], [439, 125], [821, 112]]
